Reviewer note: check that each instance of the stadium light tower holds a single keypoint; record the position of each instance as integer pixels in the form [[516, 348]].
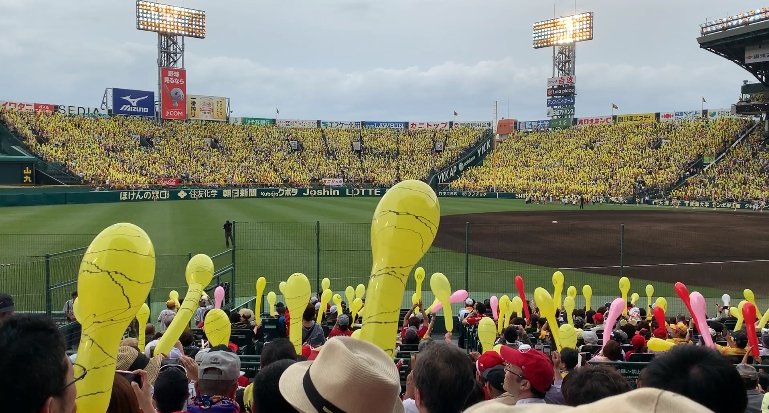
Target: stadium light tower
[[172, 24], [562, 34]]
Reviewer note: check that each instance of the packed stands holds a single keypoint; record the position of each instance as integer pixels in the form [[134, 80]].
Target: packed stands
[[616, 160], [742, 175], [121, 152]]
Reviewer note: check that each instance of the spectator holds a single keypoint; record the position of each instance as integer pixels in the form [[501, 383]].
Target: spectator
[[122, 398], [171, 389], [277, 349], [37, 374], [217, 382], [363, 380], [342, 327], [281, 328], [700, 374], [529, 375], [200, 313], [735, 344], [612, 351], [592, 383], [69, 308], [167, 315], [443, 378], [494, 379], [266, 389], [639, 346], [749, 377], [312, 333], [6, 306], [130, 359]]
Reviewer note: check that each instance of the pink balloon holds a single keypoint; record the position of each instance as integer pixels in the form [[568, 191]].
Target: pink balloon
[[218, 296], [459, 296], [617, 306], [698, 306], [494, 301]]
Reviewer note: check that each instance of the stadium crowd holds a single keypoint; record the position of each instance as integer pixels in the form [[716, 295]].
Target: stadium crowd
[[430, 373], [616, 160], [125, 152], [742, 175]]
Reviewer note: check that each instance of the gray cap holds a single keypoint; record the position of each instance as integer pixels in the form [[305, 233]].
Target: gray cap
[[219, 365], [747, 371], [344, 320]]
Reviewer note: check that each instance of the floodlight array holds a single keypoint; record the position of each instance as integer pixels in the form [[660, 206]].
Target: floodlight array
[[173, 20], [733, 22], [563, 30]]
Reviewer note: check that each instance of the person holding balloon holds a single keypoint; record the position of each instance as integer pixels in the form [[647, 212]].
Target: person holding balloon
[[167, 315]]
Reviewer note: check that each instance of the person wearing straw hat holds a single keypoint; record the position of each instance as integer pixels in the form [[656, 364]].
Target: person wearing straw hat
[[349, 375]]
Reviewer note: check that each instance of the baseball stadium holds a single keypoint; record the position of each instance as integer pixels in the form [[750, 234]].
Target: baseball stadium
[[157, 200]]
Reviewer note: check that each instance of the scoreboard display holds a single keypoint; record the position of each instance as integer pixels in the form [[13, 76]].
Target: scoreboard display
[[17, 173]]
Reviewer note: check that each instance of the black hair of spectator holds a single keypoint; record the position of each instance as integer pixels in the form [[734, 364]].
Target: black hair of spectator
[[613, 351], [589, 316], [277, 349], [309, 313], [519, 321], [171, 390], [234, 317], [267, 396], [698, 373], [511, 334], [763, 380], [476, 396], [122, 399], [443, 375], [740, 339], [480, 308], [628, 329], [187, 338], [642, 312], [588, 384], [157, 336], [32, 348], [569, 358], [413, 321]]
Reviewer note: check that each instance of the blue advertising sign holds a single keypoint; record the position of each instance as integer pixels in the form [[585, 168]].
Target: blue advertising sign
[[133, 102], [560, 101], [528, 125], [385, 125]]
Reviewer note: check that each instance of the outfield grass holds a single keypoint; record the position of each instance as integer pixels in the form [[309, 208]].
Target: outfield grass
[[264, 246]]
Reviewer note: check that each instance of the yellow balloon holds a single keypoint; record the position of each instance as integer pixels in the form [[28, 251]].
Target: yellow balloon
[[115, 276], [356, 334], [282, 288], [297, 294], [634, 298], [649, 294], [360, 291], [403, 228], [261, 283], [324, 299], [587, 291], [748, 293], [357, 304], [662, 302], [200, 270], [659, 345], [568, 336], [568, 305], [419, 277], [497, 348], [763, 320], [361, 312], [571, 291], [547, 308], [338, 303], [738, 326], [200, 265], [430, 308], [325, 284], [174, 296], [217, 327], [558, 288], [624, 288], [505, 310], [516, 304], [349, 293], [272, 298], [441, 288], [76, 311], [487, 333], [414, 298], [142, 316]]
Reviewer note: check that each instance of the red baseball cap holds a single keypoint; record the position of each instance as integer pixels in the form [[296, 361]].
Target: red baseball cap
[[598, 318], [536, 366], [638, 341], [488, 360]]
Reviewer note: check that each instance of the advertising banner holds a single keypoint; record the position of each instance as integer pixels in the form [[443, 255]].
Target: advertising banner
[[471, 124], [173, 93], [18, 106], [131, 102], [637, 117], [560, 101], [561, 81], [296, 123], [567, 111], [598, 120], [333, 181], [560, 123], [691, 114], [385, 125], [756, 54], [720, 113], [257, 121], [44, 108], [667, 116], [328, 124], [428, 125], [561, 91], [505, 126], [72, 110], [534, 125], [472, 157], [207, 108], [169, 181]]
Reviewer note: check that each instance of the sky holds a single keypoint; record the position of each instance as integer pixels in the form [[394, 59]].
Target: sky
[[385, 60]]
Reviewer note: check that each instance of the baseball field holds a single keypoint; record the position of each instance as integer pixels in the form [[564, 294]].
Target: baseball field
[[481, 245]]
